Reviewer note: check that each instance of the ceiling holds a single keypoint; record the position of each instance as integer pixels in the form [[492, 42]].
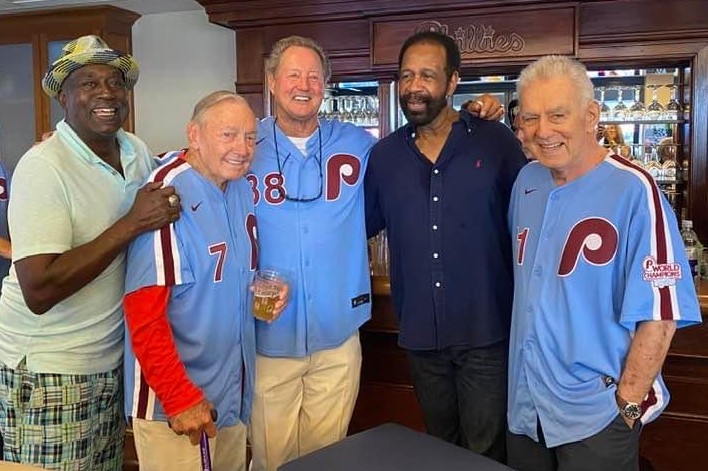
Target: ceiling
[[140, 6]]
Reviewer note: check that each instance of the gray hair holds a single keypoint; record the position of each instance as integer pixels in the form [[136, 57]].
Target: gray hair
[[276, 54], [213, 99], [555, 66]]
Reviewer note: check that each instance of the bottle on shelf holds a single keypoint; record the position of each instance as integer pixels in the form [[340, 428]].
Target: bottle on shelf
[[653, 166], [692, 247]]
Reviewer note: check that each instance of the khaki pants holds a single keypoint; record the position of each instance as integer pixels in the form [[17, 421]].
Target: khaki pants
[[160, 449], [303, 404]]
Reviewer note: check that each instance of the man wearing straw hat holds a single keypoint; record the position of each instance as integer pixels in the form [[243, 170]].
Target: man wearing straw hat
[[75, 207]]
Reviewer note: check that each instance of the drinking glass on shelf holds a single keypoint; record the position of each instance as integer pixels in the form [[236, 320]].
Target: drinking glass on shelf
[[605, 112], [619, 112], [638, 153], [372, 110], [652, 165], [673, 109], [655, 110], [322, 113], [378, 252], [360, 116], [347, 104], [333, 109], [638, 109]]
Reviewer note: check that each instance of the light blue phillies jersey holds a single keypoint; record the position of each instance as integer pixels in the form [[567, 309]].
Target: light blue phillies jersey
[[207, 258], [593, 258], [320, 244]]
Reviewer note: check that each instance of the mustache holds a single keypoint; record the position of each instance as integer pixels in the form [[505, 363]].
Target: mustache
[[416, 96]]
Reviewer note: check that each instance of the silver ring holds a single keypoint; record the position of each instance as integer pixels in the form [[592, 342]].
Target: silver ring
[[173, 200]]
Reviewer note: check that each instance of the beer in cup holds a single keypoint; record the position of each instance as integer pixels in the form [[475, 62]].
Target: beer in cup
[[267, 286]]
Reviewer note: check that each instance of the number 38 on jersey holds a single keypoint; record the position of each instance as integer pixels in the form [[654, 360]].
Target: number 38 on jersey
[[339, 170]]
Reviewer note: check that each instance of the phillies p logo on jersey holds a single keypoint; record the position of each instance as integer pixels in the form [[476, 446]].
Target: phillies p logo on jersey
[[595, 239], [341, 168]]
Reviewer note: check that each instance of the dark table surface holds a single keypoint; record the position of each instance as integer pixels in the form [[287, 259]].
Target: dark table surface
[[392, 447]]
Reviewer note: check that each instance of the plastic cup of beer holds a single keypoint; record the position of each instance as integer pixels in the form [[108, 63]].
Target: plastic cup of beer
[[267, 286]]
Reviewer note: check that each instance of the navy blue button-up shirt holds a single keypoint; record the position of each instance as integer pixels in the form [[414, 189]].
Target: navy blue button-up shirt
[[450, 249]]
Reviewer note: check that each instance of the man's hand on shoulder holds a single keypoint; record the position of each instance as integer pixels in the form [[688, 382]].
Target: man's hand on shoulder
[[485, 107], [153, 208]]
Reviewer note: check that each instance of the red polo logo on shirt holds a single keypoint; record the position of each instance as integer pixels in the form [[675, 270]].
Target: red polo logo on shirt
[[660, 274]]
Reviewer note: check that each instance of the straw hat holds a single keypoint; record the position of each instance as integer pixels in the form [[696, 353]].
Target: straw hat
[[88, 50]]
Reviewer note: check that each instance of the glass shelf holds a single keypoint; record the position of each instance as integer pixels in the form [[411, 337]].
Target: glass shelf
[[646, 121]]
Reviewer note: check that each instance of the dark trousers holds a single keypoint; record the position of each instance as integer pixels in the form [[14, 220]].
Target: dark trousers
[[462, 392], [615, 448]]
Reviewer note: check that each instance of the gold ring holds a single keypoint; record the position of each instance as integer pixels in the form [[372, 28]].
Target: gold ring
[[173, 200]]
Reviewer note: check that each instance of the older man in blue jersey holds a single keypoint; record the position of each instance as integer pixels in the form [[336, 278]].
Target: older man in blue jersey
[[307, 179], [601, 283], [190, 352]]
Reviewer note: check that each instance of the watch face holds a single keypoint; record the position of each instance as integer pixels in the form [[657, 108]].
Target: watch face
[[632, 411]]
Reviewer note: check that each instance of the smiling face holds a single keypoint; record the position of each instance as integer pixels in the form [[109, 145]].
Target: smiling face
[[298, 85], [222, 143], [557, 128], [95, 102], [423, 85]]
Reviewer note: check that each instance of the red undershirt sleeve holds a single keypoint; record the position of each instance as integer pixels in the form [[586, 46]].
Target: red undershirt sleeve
[[154, 347]]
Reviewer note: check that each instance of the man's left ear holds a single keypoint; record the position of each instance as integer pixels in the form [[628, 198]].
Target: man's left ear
[[593, 115]]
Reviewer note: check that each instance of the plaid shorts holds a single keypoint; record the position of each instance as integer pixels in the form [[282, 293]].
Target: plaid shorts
[[62, 422]]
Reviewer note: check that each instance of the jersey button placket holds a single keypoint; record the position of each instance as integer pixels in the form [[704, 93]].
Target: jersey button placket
[[436, 239]]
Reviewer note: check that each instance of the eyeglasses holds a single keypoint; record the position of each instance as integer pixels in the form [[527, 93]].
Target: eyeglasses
[[282, 190]]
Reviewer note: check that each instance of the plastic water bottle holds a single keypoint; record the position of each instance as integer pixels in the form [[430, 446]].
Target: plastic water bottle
[[692, 246]]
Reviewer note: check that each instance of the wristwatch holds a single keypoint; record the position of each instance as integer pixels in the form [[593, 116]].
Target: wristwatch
[[631, 410]]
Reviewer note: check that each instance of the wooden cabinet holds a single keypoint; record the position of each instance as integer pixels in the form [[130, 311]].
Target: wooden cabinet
[[29, 42]]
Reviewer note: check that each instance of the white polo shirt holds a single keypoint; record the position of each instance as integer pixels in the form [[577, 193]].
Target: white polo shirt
[[64, 196]]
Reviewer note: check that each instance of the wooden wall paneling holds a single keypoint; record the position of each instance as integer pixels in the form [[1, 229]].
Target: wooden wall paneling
[[250, 53], [383, 318], [617, 21], [335, 37], [267, 12], [381, 403], [250, 69], [675, 443], [484, 36], [698, 192], [688, 395], [254, 95], [691, 342], [385, 110], [383, 360]]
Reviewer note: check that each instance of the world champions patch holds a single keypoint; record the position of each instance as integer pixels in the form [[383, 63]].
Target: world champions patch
[[660, 274]]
